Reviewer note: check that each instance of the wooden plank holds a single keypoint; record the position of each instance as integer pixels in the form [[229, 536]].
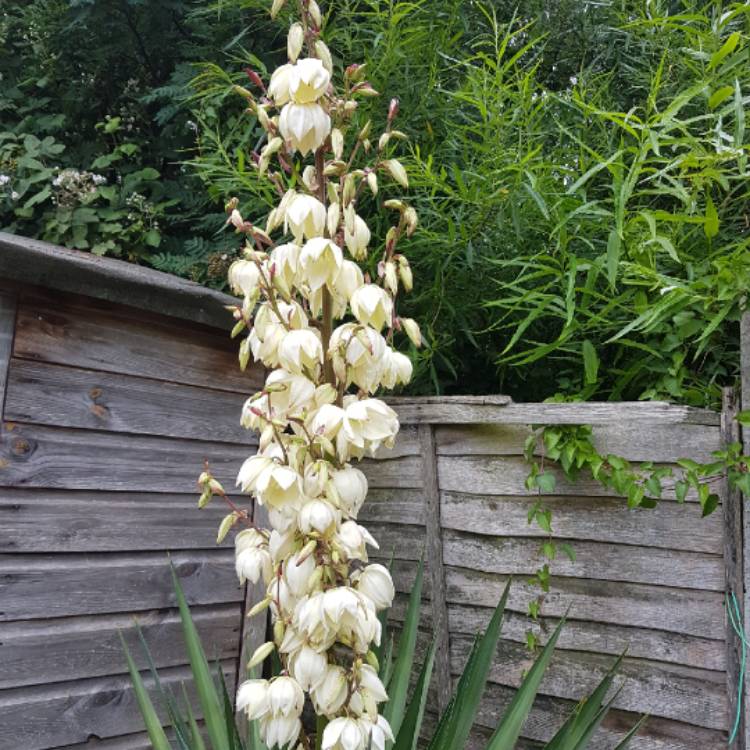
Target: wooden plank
[[37, 718], [47, 651], [733, 564], [8, 310], [594, 560], [745, 405], [662, 443], [434, 559], [42, 586], [580, 635], [85, 333], [505, 475], [56, 457], [71, 397], [499, 409], [393, 473], [35, 262], [548, 714], [672, 610], [138, 741], [680, 693], [395, 506], [82, 521], [612, 639], [604, 519]]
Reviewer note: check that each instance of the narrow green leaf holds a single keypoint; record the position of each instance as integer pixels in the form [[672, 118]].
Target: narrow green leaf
[[408, 735], [153, 726], [211, 705], [726, 49], [590, 362], [399, 683], [455, 725], [506, 734], [711, 224], [614, 244], [629, 736], [196, 738]]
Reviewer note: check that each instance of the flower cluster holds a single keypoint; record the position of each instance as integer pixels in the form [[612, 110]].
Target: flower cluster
[[325, 329]]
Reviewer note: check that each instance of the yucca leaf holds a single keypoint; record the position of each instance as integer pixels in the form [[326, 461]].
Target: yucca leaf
[[459, 716], [386, 665], [153, 725], [399, 683], [506, 734], [629, 736], [196, 738], [576, 725], [234, 735], [176, 719], [211, 706], [379, 650], [589, 731], [408, 735]]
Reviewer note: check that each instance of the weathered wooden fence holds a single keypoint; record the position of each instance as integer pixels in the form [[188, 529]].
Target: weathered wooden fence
[[110, 409], [649, 581]]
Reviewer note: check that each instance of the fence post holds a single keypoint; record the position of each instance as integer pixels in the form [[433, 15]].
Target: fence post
[[744, 405], [8, 305], [434, 555], [734, 574]]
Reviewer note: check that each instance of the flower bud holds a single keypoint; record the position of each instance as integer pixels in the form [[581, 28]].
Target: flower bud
[[260, 654], [404, 272], [333, 218], [383, 141], [310, 178], [261, 606], [322, 51], [314, 10], [350, 189], [365, 130], [396, 170], [276, 7], [337, 142], [334, 168], [205, 498], [372, 181], [375, 582], [411, 328], [411, 220], [391, 277], [295, 40], [393, 109]]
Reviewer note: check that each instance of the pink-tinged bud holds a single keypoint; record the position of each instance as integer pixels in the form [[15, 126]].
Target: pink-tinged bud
[[393, 109], [255, 79], [352, 70], [364, 89]]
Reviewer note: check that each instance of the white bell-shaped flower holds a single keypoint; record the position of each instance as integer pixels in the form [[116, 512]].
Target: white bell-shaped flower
[[252, 698], [278, 87], [318, 515], [279, 486], [308, 667], [305, 217], [352, 540], [357, 237], [375, 582], [368, 423], [329, 695], [301, 351], [349, 280], [304, 126], [308, 80], [372, 305], [244, 278], [398, 369], [252, 559], [320, 262], [298, 574], [284, 262], [327, 421], [285, 696], [279, 731], [351, 486]]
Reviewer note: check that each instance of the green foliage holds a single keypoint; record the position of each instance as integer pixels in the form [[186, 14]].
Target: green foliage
[[455, 724]]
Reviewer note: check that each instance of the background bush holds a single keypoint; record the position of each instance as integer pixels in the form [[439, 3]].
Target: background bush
[[580, 169]]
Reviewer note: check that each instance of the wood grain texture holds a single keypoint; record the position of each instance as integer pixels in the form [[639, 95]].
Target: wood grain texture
[[745, 405], [85, 333], [57, 457], [8, 309], [500, 409], [47, 586], [46, 651], [672, 610], [505, 475], [683, 694], [41, 263], [86, 521], [37, 718], [64, 396], [602, 519], [662, 443], [594, 560], [434, 559]]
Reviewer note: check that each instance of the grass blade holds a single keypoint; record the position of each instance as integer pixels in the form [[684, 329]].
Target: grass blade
[[399, 683], [408, 735], [213, 714], [153, 725], [459, 717], [196, 738], [629, 736], [506, 734]]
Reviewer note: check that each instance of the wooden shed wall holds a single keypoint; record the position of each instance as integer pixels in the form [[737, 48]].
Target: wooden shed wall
[[109, 413], [651, 581]]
